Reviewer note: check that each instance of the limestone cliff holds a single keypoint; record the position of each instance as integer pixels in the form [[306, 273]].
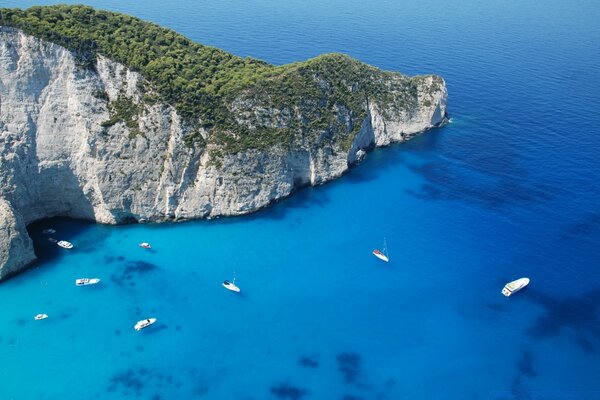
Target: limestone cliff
[[16, 249], [59, 156]]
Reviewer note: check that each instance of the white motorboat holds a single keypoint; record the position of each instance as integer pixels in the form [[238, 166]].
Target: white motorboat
[[144, 323], [382, 254], [48, 231], [65, 245], [145, 245], [86, 281], [40, 316], [514, 286]]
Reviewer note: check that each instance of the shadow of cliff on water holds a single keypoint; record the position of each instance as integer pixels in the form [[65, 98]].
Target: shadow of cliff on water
[[382, 159], [376, 162], [306, 197], [51, 188], [68, 229]]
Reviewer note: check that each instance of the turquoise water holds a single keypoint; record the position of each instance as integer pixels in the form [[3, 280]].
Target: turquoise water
[[508, 189]]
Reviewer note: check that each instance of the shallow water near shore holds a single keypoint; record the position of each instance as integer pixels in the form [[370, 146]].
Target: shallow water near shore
[[508, 189]]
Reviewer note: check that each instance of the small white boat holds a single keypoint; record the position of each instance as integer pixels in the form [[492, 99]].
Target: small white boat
[[48, 231], [40, 316], [144, 323], [86, 281], [382, 254], [514, 286], [145, 245], [65, 245], [231, 285]]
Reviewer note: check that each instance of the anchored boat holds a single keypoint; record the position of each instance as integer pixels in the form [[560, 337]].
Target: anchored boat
[[231, 285], [65, 245], [86, 281], [144, 323], [514, 286], [382, 254]]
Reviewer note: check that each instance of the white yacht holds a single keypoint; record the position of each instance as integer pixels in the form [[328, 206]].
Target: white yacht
[[515, 286], [40, 316], [86, 281], [145, 245], [144, 323], [65, 245]]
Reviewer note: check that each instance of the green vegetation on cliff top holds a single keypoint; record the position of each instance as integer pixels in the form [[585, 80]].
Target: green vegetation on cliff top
[[212, 88]]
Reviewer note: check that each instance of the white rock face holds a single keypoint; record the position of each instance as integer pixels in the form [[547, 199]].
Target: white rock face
[[56, 158], [16, 248]]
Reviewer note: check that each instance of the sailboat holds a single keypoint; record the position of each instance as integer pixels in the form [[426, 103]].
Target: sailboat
[[231, 285], [382, 255]]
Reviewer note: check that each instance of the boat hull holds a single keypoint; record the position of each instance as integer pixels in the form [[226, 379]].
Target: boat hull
[[380, 255], [65, 245], [231, 286], [86, 281], [40, 317], [144, 323], [513, 287]]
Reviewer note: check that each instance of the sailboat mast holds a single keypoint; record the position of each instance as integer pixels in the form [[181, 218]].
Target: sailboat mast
[[385, 248]]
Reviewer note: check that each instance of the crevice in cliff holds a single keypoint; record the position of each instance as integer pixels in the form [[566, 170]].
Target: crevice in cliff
[[363, 141]]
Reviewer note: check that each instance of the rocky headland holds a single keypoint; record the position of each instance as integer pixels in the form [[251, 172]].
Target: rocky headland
[[89, 131]]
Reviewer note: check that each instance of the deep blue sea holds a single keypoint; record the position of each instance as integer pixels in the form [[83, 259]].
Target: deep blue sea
[[510, 188]]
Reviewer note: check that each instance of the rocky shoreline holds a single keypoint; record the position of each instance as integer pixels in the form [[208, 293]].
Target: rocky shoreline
[[57, 158]]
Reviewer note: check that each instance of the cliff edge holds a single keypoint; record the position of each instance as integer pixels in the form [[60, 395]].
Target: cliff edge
[[103, 142]]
